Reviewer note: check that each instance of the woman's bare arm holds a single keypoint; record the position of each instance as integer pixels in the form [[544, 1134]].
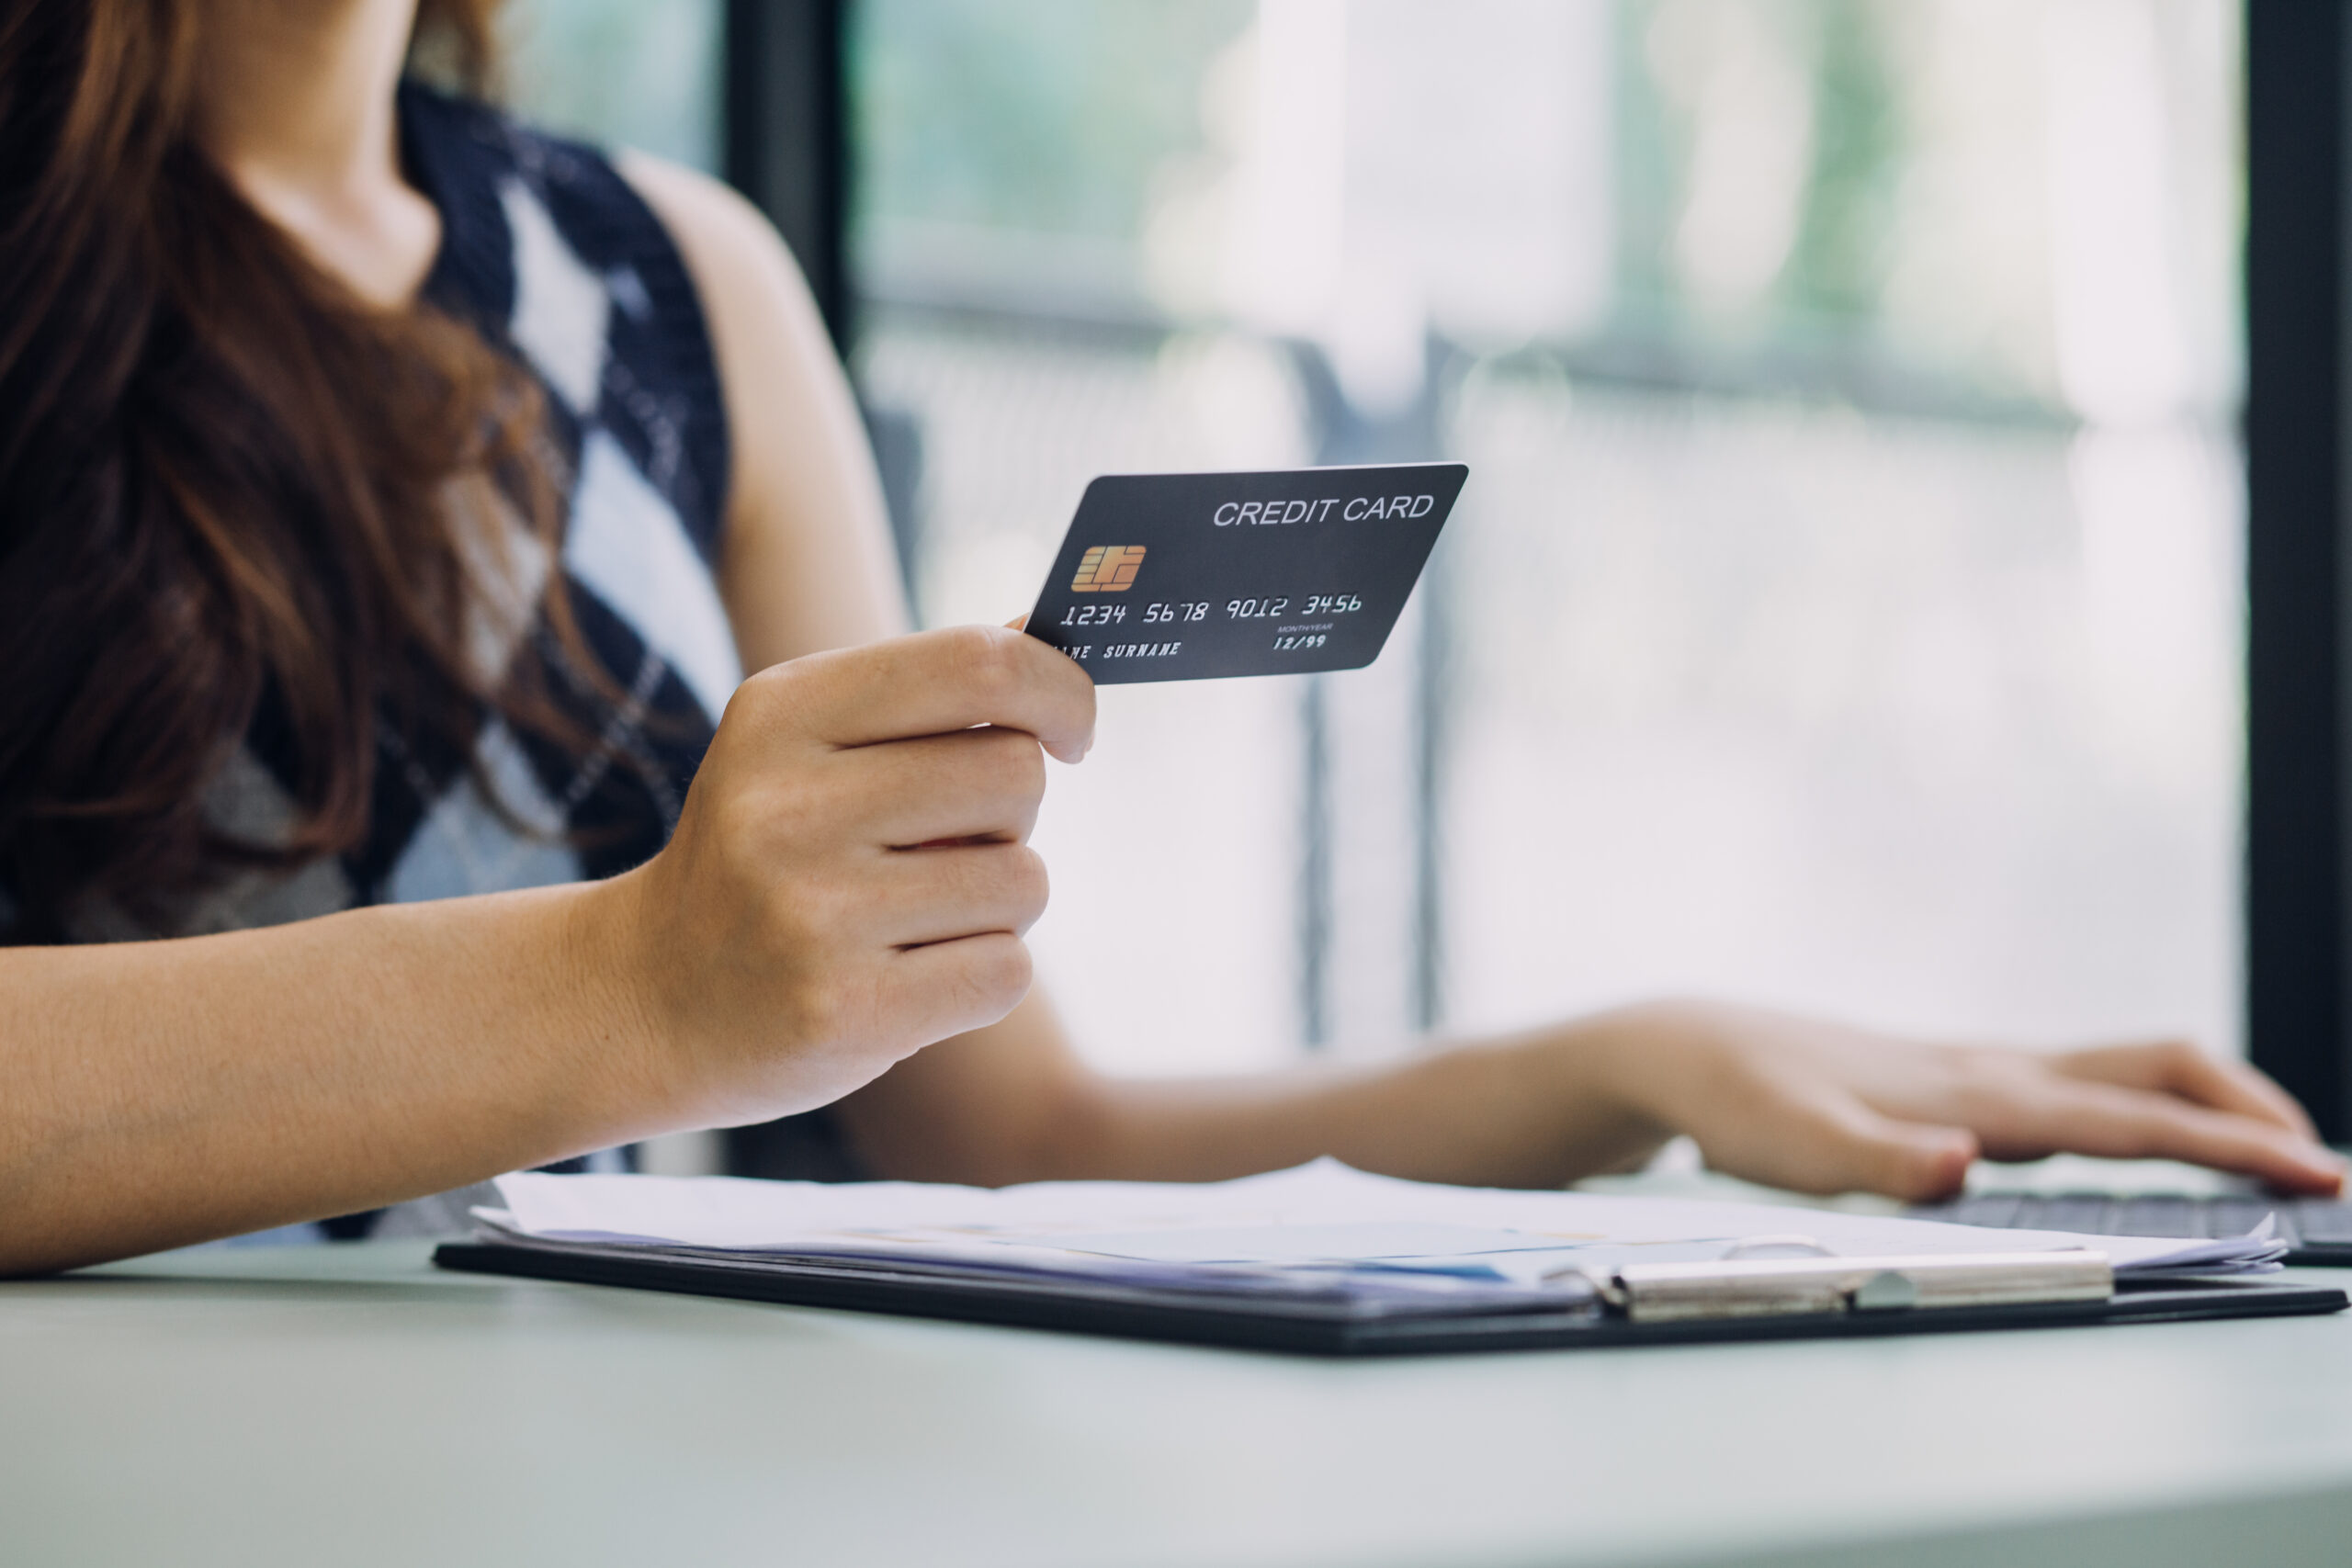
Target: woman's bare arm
[[790, 943], [1789, 1101], [164, 1092]]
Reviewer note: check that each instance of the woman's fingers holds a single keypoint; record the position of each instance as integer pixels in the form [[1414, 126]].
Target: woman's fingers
[[974, 783], [1823, 1108], [2175, 1067], [951, 988], [2062, 1114], [944, 894], [937, 682], [1818, 1136], [1844, 1145]]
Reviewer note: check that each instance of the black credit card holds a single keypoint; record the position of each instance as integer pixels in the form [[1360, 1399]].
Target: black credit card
[[1187, 577]]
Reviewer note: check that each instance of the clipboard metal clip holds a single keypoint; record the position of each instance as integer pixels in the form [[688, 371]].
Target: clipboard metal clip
[[1758, 1287]]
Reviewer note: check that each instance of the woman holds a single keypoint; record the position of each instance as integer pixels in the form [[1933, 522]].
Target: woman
[[389, 501]]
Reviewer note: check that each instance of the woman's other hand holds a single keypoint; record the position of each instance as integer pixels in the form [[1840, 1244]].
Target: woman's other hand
[[851, 879], [1815, 1107]]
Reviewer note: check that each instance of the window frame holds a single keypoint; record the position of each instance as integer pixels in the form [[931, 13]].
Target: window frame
[[2298, 684]]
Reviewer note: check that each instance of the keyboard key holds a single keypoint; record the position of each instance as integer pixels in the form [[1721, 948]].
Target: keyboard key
[[2162, 1216], [2235, 1216], [1998, 1209], [2301, 1224], [2327, 1223], [2091, 1211]]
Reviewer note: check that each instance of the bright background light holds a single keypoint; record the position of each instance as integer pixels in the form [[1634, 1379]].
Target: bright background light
[[1845, 608]]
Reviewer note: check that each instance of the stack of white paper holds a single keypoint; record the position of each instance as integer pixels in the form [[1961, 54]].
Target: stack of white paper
[[1320, 1230]]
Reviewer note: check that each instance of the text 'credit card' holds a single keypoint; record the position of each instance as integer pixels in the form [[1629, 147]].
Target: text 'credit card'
[[1186, 577]]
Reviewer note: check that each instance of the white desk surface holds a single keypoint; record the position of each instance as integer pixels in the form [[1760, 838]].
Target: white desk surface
[[354, 1406]]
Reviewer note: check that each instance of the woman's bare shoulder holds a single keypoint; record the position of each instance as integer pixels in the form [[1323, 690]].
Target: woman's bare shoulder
[[712, 223], [809, 563], [750, 287]]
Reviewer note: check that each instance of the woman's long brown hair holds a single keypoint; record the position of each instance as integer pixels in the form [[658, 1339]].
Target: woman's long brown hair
[[224, 483]]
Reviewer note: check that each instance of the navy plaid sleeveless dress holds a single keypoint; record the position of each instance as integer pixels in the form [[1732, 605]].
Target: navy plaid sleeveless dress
[[555, 259]]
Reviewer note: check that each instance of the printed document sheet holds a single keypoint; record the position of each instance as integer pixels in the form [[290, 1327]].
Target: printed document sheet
[[1317, 1229]]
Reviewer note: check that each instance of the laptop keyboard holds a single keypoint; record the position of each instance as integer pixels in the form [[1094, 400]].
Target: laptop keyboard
[[2318, 1231]]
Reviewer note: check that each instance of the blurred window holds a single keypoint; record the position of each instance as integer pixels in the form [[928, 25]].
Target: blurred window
[[622, 73], [1845, 608]]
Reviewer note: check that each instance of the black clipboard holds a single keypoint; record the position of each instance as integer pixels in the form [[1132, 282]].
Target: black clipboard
[[1319, 1327]]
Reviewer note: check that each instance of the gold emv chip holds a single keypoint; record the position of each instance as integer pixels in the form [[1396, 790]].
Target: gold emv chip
[[1107, 569]]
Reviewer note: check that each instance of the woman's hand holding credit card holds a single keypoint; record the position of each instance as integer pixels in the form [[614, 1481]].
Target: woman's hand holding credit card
[[851, 877], [1189, 576]]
